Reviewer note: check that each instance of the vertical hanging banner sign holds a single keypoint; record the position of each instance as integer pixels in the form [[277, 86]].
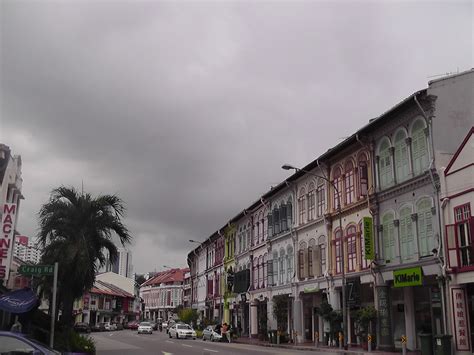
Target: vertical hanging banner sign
[[369, 247], [7, 239], [461, 319]]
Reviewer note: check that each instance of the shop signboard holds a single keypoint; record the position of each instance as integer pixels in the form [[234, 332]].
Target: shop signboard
[[311, 289], [460, 317], [412, 276], [353, 292], [369, 250], [7, 239]]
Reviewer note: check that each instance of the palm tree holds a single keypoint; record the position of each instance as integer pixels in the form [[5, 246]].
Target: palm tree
[[75, 230]]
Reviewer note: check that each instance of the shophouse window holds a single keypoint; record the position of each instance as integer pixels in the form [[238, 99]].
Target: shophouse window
[[337, 247], [249, 235], [322, 249], [282, 270], [265, 263], [311, 201], [425, 227], [311, 252], [262, 222], [302, 205], [419, 147], [464, 229], [401, 156], [289, 213], [276, 220], [260, 271], [388, 236], [364, 263], [301, 261], [283, 217], [321, 195], [290, 262], [239, 238], [275, 267], [255, 272], [363, 175], [385, 164], [349, 183], [337, 182], [257, 233], [270, 225], [351, 233], [406, 233]]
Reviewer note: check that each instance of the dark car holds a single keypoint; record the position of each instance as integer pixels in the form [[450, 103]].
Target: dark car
[[133, 325], [82, 327], [16, 343]]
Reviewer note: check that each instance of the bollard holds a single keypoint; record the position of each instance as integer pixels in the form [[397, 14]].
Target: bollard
[[369, 343], [341, 340], [404, 344], [316, 339]]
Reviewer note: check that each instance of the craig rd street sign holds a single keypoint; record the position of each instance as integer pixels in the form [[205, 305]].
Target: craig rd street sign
[[36, 269]]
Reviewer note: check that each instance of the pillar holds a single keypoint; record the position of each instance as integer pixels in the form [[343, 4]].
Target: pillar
[[253, 319], [409, 317], [298, 319], [385, 339], [226, 311]]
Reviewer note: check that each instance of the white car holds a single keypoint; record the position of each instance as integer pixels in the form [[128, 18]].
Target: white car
[[182, 331], [211, 334], [110, 326], [145, 327]]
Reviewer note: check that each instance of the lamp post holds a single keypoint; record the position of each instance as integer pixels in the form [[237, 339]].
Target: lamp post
[[341, 246]]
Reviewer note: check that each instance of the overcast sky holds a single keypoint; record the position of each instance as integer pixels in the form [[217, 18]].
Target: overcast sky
[[187, 110]]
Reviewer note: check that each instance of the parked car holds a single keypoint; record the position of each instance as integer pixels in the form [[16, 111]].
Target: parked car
[[82, 327], [145, 327], [212, 333], [98, 327], [133, 325], [17, 343], [118, 325], [182, 331], [110, 326]]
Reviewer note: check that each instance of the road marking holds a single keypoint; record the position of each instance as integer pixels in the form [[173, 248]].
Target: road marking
[[214, 351], [186, 345], [165, 353], [169, 341]]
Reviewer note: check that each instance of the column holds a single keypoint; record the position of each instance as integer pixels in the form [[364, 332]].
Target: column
[[383, 303], [253, 319], [298, 319], [409, 317]]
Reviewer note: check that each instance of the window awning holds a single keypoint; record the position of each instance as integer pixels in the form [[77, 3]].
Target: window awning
[[18, 301]]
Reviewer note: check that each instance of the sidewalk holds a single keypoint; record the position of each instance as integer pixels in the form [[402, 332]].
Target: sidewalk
[[320, 348]]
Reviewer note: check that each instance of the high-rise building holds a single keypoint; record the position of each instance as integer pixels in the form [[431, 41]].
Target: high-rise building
[[26, 250], [122, 266]]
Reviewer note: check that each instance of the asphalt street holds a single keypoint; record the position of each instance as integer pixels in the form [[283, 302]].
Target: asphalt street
[[129, 342]]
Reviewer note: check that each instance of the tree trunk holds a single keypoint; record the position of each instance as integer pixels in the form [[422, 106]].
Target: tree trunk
[[67, 307]]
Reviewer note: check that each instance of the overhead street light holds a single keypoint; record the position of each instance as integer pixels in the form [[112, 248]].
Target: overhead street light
[[341, 245]]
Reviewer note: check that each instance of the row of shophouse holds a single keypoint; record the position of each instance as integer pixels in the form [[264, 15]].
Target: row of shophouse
[[408, 178]]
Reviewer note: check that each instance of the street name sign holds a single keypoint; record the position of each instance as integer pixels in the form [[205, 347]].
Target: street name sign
[[39, 270]]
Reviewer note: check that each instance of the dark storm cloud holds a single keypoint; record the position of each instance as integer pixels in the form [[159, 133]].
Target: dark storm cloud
[[187, 110]]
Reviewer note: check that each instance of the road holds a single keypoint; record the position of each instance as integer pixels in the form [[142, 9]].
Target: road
[[129, 342]]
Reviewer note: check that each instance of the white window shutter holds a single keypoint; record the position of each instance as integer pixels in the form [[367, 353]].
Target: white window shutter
[[317, 261]]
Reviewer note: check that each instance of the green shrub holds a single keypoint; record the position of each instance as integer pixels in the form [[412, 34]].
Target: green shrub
[[70, 341], [199, 333]]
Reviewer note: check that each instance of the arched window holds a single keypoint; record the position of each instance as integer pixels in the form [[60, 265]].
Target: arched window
[[337, 182], [425, 226], [283, 217], [290, 258], [349, 182], [289, 213], [406, 234], [282, 270], [351, 234], [270, 225], [419, 147], [276, 220], [265, 261], [311, 201], [401, 156], [275, 268], [311, 252], [249, 235], [322, 248], [363, 175], [337, 247], [321, 195], [302, 205], [257, 232], [388, 237], [260, 271], [263, 220], [301, 261], [255, 272], [385, 165]]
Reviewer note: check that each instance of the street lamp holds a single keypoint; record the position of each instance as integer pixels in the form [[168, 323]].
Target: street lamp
[[341, 246]]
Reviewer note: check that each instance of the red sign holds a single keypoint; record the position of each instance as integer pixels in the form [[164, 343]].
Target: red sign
[[22, 239], [460, 317], [6, 239]]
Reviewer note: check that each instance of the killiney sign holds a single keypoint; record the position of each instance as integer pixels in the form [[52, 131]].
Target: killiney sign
[[408, 277]]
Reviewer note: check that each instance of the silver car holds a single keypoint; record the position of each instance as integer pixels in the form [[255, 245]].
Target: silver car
[[210, 334], [145, 327]]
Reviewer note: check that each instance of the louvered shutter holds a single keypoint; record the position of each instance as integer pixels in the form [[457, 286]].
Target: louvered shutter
[[270, 272], [305, 263], [317, 261]]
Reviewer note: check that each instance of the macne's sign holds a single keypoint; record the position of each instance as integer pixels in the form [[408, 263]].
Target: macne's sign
[[408, 277]]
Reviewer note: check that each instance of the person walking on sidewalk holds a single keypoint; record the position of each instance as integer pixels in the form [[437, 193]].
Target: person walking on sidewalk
[[225, 331]]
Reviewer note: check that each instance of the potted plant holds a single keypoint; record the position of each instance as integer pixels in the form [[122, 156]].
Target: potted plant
[[364, 319], [334, 318]]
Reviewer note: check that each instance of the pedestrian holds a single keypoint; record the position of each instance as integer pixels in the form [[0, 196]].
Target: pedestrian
[[225, 331]]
